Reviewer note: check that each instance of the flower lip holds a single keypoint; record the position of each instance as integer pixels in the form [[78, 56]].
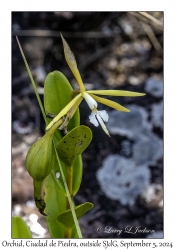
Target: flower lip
[[90, 101], [97, 117]]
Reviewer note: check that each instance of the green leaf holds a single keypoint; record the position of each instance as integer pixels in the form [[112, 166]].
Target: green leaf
[[74, 234], [19, 228], [77, 175], [66, 218], [55, 204], [57, 94], [73, 144]]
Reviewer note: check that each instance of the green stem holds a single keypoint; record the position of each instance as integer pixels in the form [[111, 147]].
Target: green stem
[[68, 231], [69, 183], [69, 197], [40, 204], [70, 179], [33, 83]]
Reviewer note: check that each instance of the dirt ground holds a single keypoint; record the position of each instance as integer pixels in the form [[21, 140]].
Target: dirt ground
[[114, 50]]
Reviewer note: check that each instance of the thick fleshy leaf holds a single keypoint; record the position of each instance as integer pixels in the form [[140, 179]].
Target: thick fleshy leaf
[[74, 234], [55, 204], [77, 174], [19, 229], [66, 218], [110, 103], [73, 144], [69, 150], [115, 93], [70, 59], [56, 172]]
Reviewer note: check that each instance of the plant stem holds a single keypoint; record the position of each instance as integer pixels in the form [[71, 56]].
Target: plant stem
[[69, 197], [38, 196], [70, 179], [69, 183], [68, 231], [33, 83]]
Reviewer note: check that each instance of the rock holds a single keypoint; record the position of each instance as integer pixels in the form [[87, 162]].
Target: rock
[[154, 86], [157, 115], [120, 179], [20, 129], [147, 149], [126, 148], [128, 124]]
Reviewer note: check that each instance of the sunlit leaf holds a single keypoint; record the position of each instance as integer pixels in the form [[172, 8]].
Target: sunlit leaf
[[55, 204], [66, 218], [19, 228], [73, 144]]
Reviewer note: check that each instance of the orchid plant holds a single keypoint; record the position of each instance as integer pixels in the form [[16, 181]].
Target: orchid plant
[[54, 161]]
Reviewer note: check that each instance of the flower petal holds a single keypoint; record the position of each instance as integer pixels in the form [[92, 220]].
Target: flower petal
[[115, 92], [90, 101], [110, 103], [70, 59], [104, 115], [102, 123], [93, 119], [64, 111]]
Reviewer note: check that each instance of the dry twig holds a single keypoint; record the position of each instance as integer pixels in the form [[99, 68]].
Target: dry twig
[[152, 36], [152, 18], [147, 18]]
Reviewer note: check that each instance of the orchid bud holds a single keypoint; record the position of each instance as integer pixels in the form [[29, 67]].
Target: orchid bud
[[39, 163], [41, 156]]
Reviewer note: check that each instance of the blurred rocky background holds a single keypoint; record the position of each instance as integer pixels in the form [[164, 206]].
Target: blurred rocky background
[[123, 174]]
